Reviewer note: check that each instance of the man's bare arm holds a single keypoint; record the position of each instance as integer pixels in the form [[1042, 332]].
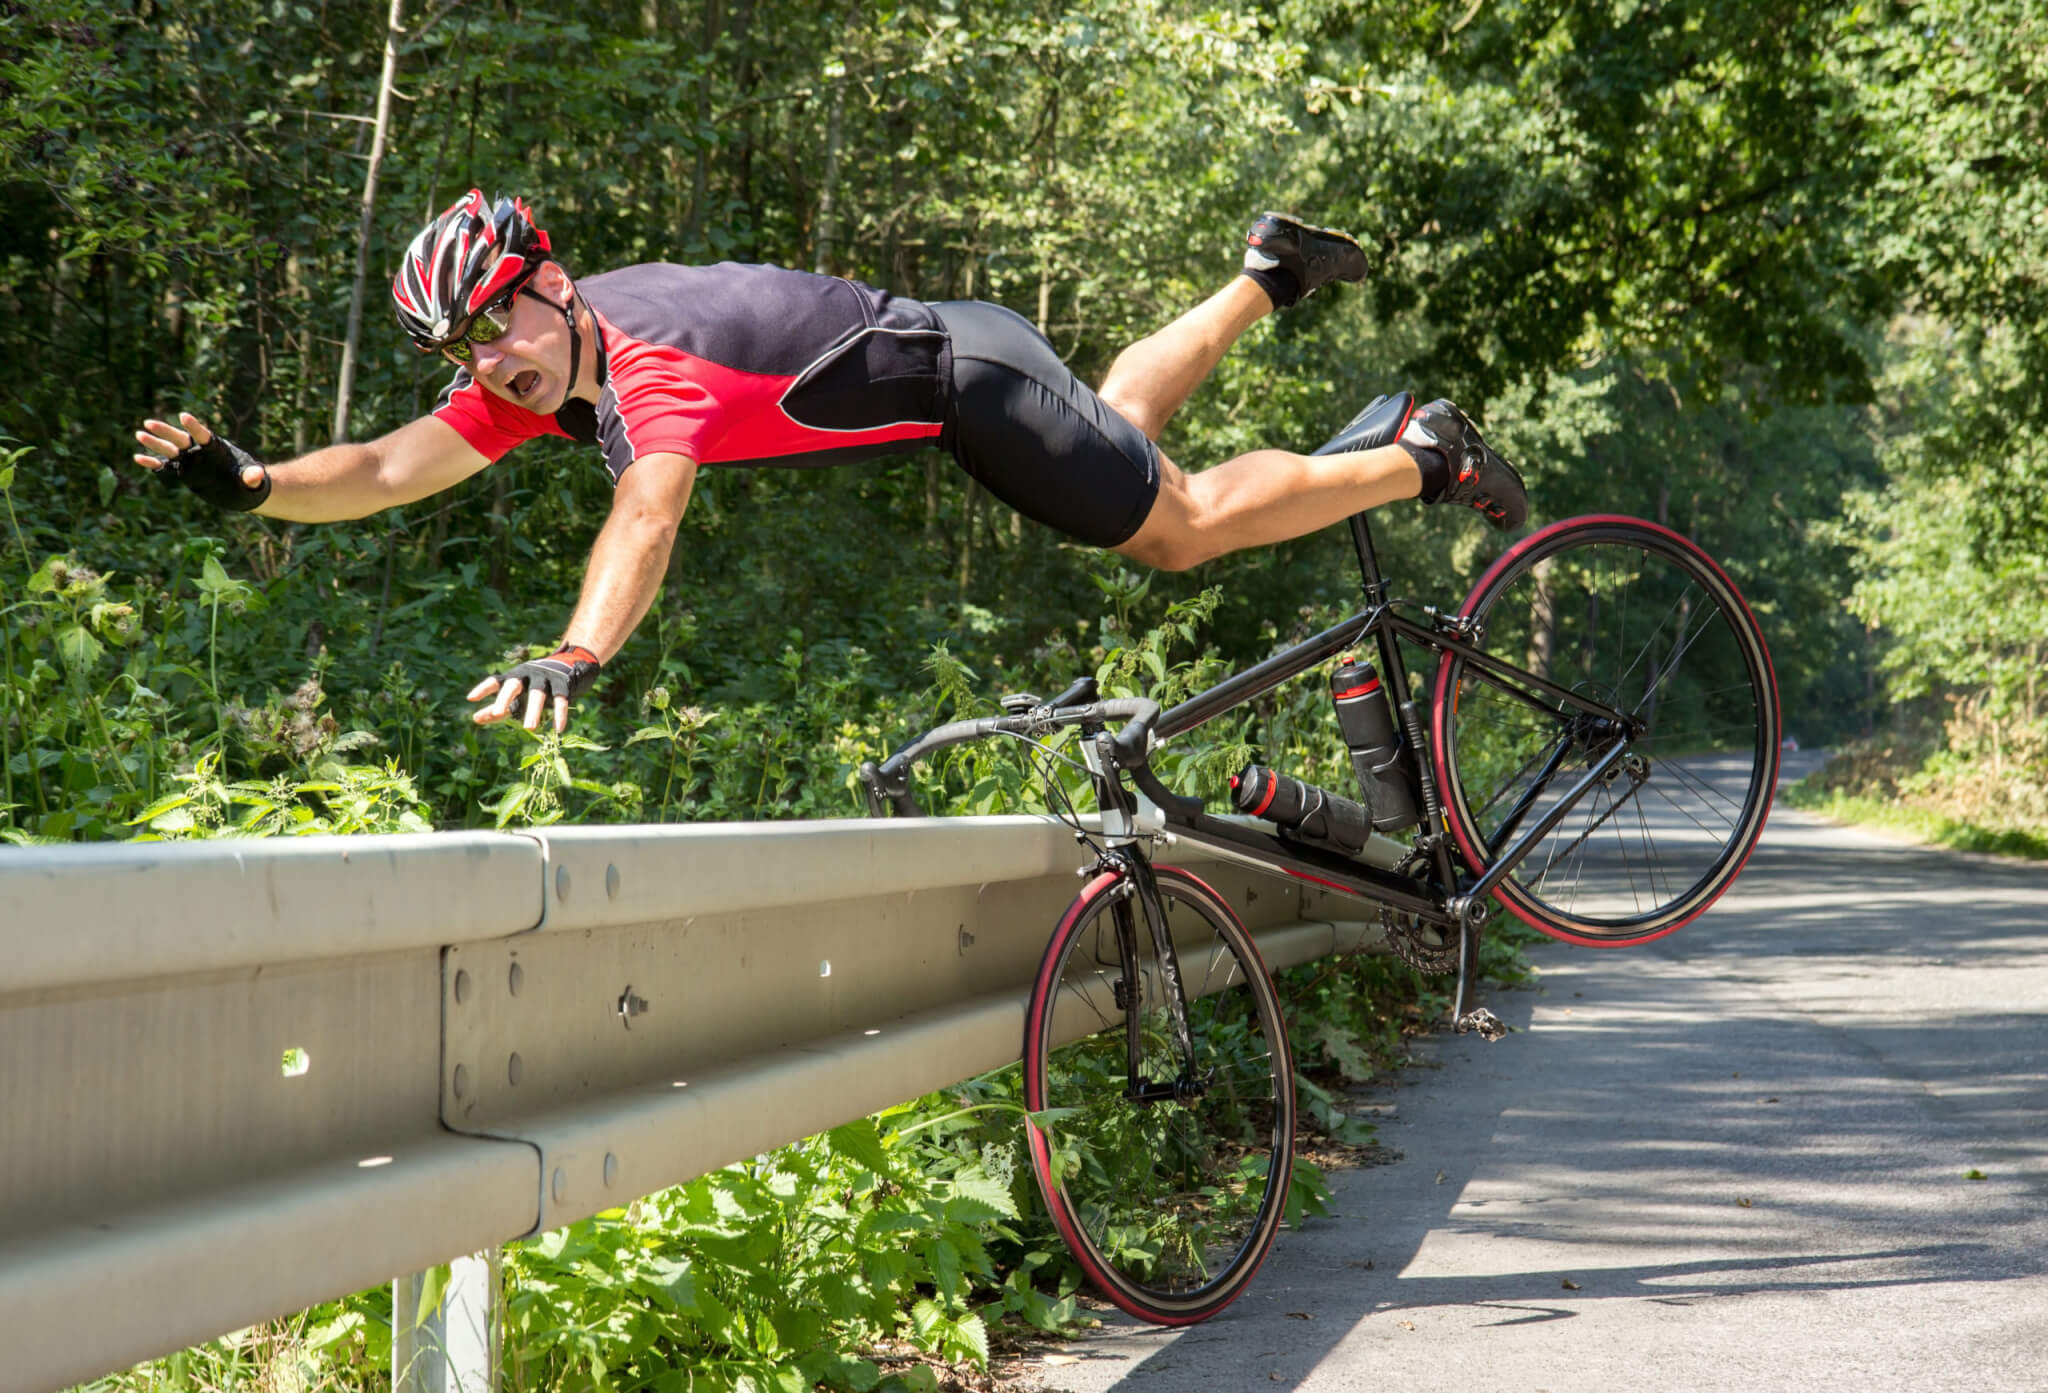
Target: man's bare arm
[[627, 563], [342, 481]]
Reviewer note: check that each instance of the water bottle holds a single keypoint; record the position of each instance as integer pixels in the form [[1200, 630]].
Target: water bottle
[[1312, 815], [1376, 754]]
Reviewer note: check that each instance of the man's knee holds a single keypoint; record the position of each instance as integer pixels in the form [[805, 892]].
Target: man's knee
[[1131, 408], [1167, 551]]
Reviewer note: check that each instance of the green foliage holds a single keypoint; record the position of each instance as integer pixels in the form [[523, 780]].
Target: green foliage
[[1768, 272], [767, 1274], [1919, 823]]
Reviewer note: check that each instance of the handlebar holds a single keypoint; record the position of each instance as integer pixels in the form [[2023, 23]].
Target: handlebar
[[887, 785]]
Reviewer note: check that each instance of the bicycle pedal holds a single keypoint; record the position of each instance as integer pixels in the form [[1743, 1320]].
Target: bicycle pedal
[[1488, 1026]]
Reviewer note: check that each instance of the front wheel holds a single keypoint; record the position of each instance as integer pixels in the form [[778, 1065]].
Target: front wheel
[[1638, 619], [1170, 1199]]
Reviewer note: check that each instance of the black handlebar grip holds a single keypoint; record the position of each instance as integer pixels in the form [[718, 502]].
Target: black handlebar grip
[[1082, 690]]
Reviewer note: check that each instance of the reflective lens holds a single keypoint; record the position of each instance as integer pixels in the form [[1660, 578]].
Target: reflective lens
[[487, 325]]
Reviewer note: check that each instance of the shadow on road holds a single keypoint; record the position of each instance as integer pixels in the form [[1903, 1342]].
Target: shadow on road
[[1783, 1103]]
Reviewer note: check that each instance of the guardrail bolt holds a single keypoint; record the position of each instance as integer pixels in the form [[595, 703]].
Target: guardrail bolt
[[966, 939], [611, 1170], [631, 1006], [516, 978], [461, 1082], [515, 1070], [560, 1188], [561, 882], [611, 882], [461, 987]]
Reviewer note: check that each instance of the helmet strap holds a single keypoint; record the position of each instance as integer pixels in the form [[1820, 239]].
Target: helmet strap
[[568, 313], [575, 347]]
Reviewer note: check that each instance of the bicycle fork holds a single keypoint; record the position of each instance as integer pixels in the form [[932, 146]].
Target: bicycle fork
[[1119, 825], [1186, 1086]]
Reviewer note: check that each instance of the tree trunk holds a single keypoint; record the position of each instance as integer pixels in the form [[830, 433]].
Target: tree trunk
[[700, 172], [295, 291], [355, 300], [971, 512], [742, 177], [501, 530], [822, 254], [1542, 628]]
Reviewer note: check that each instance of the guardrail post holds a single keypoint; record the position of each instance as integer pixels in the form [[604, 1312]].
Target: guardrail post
[[455, 1349]]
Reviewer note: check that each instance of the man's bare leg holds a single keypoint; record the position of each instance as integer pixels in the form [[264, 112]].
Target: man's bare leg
[[1267, 496], [1149, 380], [1262, 497]]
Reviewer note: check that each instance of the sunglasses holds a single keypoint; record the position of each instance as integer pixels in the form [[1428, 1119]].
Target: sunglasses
[[487, 325]]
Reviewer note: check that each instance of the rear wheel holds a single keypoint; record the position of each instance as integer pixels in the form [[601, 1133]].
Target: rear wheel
[[1637, 618], [1169, 1201]]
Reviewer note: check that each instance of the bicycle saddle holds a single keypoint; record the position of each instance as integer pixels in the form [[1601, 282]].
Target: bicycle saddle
[[1377, 425]]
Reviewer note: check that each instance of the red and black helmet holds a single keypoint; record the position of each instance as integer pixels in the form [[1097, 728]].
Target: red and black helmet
[[462, 261]]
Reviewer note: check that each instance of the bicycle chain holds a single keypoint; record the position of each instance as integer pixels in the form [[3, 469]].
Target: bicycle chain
[[1412, 948]]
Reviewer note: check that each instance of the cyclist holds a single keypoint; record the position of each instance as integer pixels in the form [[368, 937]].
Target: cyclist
[[668, 368]]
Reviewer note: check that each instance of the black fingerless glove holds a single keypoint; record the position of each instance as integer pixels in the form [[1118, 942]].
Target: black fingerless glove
[[214, 472], [569, 671]]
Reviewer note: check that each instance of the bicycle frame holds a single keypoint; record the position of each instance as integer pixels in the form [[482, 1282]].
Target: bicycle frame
[[1439, 898], [1428, 885]]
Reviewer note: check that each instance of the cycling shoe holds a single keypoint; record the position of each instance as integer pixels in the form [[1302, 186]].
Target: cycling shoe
[[1308, 257], [1479, 478]]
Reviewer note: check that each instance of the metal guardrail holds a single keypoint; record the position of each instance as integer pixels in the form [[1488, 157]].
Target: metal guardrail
[[241, 1078]]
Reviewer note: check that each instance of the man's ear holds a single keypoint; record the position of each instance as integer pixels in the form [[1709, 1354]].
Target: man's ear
[[554, 282]]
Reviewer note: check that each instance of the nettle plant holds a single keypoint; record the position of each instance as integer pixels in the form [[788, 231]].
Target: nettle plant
[[112, 725]]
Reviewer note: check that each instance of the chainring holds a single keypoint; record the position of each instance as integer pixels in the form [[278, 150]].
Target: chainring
[[1423, 947]]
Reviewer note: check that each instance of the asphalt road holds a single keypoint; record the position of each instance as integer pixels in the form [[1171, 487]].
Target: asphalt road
[[1738, 1158]]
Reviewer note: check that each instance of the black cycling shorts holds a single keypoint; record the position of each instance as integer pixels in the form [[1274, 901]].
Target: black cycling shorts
[[1036, 436]]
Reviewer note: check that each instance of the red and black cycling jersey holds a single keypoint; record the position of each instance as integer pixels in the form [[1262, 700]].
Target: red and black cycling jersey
[[738, 365]]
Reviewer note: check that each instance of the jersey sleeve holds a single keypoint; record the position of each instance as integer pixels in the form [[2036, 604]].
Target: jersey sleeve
[[489, 423], [664, 402]]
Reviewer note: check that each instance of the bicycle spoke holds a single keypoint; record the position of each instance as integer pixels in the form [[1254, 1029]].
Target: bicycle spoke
[[1683, 811], [1621, 845], [1644, 823], [1671, 664], [1706, 791], [1087, 998], [1676, 605]]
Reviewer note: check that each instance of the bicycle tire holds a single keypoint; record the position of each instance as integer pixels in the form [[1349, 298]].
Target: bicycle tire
[[1663, 847], [1168, 1207]]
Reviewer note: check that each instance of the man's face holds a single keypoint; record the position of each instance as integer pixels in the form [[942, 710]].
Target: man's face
[[528, 365]]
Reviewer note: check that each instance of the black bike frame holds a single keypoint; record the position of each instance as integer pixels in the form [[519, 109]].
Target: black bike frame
[[1380, 622], [1428, 886]]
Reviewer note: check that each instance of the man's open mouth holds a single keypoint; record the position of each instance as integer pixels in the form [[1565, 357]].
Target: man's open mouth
[[526, 383]]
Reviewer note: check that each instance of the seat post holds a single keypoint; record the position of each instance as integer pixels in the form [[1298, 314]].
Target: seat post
[[1368, 561]]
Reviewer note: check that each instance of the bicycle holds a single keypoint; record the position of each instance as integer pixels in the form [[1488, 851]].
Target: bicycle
[[1156, 1069]]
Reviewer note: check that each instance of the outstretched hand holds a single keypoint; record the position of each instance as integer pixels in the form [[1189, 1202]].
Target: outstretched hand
[[568, 672], [165, 441], [212, 466]]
